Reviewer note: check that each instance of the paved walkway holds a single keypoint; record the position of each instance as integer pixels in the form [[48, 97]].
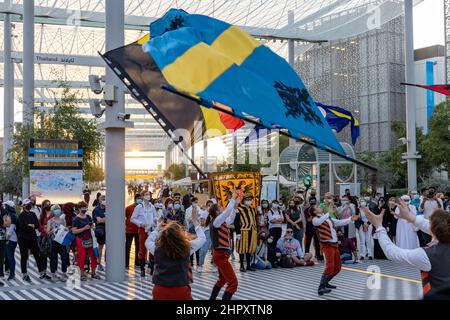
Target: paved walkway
[[396, 282]]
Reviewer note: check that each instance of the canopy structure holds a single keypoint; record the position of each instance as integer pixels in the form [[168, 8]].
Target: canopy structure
[[183, 182], [301, 162], [315, 20], [283, 181], [70, 33]]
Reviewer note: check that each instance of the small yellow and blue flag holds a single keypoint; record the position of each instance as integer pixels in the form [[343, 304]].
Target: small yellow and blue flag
[[338, 118], [220, 63]]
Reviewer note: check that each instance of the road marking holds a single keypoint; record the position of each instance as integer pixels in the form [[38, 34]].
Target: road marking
[[382, 275]]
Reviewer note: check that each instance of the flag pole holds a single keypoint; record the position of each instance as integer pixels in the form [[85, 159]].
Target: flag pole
[[190, 159], [135, 91], [207, 104]]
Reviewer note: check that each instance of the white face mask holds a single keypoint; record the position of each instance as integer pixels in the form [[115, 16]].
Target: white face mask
[[269, 240], [367, 198], [363, 204], [103, 203], [275, 205], [248, 202]]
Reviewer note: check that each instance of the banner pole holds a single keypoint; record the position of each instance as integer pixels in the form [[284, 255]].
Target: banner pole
[[207, 104]]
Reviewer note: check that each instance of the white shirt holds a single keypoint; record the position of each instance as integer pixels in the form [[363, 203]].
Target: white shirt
[[188, 217], [203, 214], [196, 244], [227, 215], [274, 214], [428, 207], [144, 215], [414, 257], [337, 223]]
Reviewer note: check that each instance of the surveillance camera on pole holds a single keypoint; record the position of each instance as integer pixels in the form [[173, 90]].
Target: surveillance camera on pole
[[123, 116], [96, 107], [95, 83], [403, 141]]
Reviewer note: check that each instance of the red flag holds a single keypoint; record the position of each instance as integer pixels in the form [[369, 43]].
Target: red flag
[[440, 88]]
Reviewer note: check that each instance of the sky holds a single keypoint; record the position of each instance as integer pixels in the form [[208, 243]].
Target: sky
[[429, 24], [428, 31]]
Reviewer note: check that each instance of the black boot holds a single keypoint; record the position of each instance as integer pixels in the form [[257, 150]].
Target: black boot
[[214, 293], [143, 269], [328, 285], [248, 260], [151, 265], [241, 261], [227, 295], [322, 290]]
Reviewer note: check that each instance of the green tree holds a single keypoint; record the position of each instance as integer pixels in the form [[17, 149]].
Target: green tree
[[437, 144], [63, 121], [10, 182], [175, 172]]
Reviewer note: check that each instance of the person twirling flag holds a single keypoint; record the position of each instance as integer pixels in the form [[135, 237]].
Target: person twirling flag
[[217, 62]]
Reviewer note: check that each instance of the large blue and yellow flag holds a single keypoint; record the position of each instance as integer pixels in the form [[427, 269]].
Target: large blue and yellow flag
[[220, 63], [338, 118]]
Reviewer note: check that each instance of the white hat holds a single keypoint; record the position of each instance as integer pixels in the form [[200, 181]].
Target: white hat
[[10, 203], [26, 201], [405, 198], [213, 200]]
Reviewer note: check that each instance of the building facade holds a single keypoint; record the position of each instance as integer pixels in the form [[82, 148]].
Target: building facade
[[363, 75], [429, 70]]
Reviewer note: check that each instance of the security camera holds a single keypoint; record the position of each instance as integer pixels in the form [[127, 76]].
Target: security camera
[[403, 141], [96, 108], [123, 116], [95, 83]]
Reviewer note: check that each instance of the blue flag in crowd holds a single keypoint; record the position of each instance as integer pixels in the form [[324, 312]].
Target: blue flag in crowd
[[338, 118], [221, 64]]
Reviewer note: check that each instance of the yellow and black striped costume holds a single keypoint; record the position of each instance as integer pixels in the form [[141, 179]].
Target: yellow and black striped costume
[[245, 225]]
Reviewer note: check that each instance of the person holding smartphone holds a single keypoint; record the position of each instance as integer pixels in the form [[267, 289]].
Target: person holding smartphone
[[28, 223], [427, 206], [81, 228], [191, 228]]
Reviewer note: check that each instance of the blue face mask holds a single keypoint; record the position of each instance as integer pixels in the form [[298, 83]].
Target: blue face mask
[[265, 205], [57, 212], [176, 206], [416, 197], [138, 201]]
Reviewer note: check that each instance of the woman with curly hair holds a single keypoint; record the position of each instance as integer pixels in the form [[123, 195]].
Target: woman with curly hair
[[172, 247]]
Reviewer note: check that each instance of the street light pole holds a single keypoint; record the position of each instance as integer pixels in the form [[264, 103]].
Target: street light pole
[[115, 150], [291, 56], [28, 75], [411, 155], [8, 102]]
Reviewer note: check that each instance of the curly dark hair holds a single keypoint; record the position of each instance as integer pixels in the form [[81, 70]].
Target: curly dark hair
[[440, 225], [213, 213], [173, 241]]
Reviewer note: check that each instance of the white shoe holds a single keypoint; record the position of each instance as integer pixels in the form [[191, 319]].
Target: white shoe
[[199, 269], [54, 277]]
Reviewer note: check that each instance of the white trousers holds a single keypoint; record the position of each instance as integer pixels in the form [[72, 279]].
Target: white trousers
[[365, 242]]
